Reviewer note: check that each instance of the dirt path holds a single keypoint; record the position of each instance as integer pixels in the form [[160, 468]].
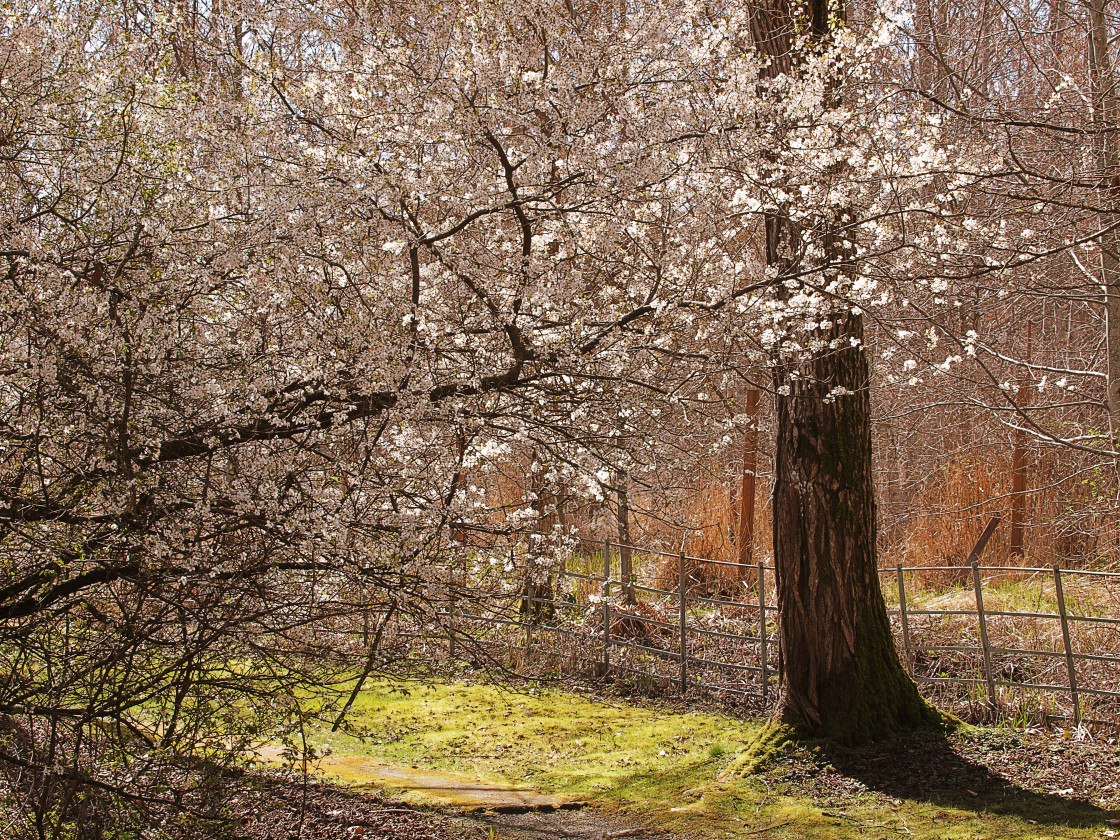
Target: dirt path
[[513, 812], [465, 793]]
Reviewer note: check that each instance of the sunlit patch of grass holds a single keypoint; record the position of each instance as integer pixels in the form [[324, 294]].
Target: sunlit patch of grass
[[658, 767], [555, 741]]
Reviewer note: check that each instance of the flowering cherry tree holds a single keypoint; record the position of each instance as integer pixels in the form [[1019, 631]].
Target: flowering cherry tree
[[275, 278]]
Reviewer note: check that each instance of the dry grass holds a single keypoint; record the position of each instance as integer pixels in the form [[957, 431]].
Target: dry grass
[[1060, 526], [713, 536], [1066, 520], [1025, 649], [947, 515]]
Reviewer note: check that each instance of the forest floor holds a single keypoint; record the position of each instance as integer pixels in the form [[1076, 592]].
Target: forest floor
[[645, 771], [279, 808]]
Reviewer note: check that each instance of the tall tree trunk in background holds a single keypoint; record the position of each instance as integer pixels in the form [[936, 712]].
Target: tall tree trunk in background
[[925, 37], [1019, 468], [626, 560], [1057, 23], [747, 486], [841, 675], [1106, 118], [1018, 492], [537, 601]]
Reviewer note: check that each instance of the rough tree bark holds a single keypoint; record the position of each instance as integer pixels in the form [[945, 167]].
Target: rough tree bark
[[841, 675], [840, 672]]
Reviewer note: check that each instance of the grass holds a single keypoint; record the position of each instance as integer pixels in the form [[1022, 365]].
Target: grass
[[553, 741], [665, 768]]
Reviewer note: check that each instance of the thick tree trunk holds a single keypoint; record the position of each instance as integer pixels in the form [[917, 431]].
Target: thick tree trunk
[[841, 674]]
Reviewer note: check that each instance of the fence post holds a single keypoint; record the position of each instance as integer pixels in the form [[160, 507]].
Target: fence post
[[606, 607], [763, 640], [1072, 671], [986, 534], [984, 634], [683, 584], [521, 607], [905, 619]]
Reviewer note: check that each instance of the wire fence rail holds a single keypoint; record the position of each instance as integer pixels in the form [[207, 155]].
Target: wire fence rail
[[1040, 644], [1086, 660]]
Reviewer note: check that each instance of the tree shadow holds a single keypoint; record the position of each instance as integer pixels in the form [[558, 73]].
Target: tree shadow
[[931, 768]]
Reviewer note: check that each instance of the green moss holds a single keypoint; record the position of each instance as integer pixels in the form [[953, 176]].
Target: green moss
[[767, 746], [667, 769], [554, 741]]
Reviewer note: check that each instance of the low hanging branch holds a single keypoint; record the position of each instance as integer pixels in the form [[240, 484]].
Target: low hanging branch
[[371, 663]]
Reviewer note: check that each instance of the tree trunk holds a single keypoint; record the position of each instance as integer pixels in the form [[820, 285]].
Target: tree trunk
[[840, 672], [1018, 492], [1019, 467], [1106, 111], [747, 486], [537, 601], [626, 562]]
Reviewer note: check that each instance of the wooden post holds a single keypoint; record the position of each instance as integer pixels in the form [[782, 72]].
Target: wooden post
[[763, 640], [747, 485], [989, 529], [905, 619], [606, 607], [1070, 669], [985, 648], [683, 615]]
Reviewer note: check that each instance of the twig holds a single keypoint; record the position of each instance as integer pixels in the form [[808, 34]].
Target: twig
[[768, 828], [764, 798]]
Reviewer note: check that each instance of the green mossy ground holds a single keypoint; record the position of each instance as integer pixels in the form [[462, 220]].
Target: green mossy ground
[[681, 771]]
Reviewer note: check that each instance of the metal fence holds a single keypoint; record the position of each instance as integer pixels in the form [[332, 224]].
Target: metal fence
[[588, 619], [1082, 659], [686, 623]]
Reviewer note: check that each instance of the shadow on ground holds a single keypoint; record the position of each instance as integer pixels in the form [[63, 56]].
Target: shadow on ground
[[933, 769]]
